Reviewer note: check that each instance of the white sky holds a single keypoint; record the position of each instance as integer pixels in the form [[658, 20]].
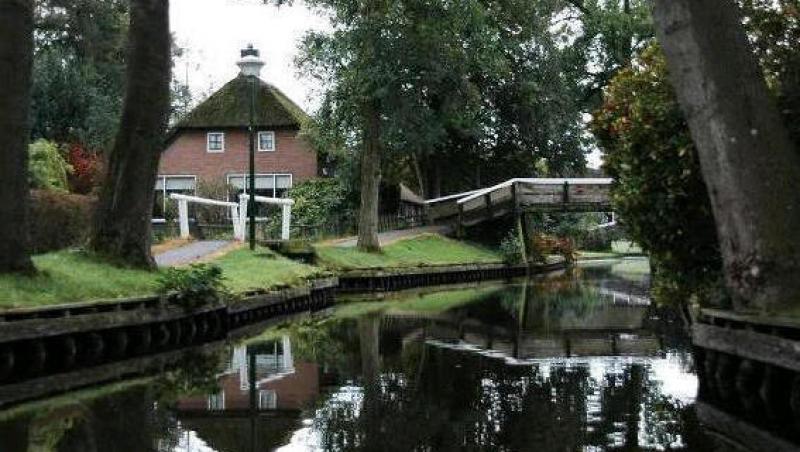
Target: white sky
[[214, 31]]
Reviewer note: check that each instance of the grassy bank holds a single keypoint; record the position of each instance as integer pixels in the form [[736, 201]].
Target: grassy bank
[[423, 250], [71, 276], [263, 269]]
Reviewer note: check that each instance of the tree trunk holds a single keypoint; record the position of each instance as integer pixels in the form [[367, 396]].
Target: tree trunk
[[749, 163], [122, 223], [16, 57], [370, 180]]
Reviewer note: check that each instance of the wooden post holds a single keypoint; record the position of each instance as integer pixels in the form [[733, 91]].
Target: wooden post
[[487, 198], [565, 195], [183, 217], [286, 223], [523, 237], [460, 230]]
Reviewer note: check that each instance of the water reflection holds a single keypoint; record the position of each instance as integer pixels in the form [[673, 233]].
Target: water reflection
[[580, 361]]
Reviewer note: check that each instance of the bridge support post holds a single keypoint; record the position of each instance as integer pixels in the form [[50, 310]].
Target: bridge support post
[[460, 227]]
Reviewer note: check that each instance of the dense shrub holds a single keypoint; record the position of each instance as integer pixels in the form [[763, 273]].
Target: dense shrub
[[59, 220], [321, 204], [511, 248], [85, 165], [658, 191], [47, 167], [194, 286], [206, 214]]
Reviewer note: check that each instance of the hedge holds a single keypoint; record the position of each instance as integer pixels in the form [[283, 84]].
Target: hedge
[[58, 220]]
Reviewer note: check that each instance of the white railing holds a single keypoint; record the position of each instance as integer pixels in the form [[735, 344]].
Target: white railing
[[183, 213], [286, 206]]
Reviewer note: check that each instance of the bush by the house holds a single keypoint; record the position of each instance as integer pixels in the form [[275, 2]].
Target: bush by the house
[[59, 220], [320, 206], [206, 214], [47, 167]]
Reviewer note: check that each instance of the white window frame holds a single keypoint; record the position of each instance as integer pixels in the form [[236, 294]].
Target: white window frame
[[219, 398], [274, 179], [274, 143], [163, 190], [208, 143]]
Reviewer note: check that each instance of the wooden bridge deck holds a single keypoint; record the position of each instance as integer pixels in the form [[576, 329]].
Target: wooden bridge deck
[[522, 195]]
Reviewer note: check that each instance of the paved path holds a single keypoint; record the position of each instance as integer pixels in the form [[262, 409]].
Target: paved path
[[190, 253], [388, 237]]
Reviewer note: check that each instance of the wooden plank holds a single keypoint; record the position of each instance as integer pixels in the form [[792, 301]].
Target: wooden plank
[[753, 318], [743, 435], [41, 328], [761, 347]]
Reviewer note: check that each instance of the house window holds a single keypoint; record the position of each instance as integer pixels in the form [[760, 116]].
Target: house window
[[215, 142], [269, 185], [266, 141], [267, 399], [216, 402], [165, 185]]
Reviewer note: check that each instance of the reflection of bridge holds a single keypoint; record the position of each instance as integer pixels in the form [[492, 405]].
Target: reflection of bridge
[[614, 328], [522, 195]]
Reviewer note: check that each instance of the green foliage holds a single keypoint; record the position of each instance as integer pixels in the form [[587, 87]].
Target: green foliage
[[511, 248], [206, 214], [659, 191], [464, 83], [194, 286], [59, 220], [47, 166], [317, 201]]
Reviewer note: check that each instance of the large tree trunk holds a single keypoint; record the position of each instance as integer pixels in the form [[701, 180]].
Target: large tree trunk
[[16, 57], [370, 180], [749, 163], [122, 227]]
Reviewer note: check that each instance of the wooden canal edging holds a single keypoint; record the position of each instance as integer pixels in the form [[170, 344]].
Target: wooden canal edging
[[45, 341], [47, 345], [749, 365], [392, 279]]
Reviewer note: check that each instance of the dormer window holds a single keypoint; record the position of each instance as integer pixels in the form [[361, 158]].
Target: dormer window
[[266, 141], [215, 142]]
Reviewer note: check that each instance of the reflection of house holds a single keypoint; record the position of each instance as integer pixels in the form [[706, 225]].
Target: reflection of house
[[279, 382], [236, 418]]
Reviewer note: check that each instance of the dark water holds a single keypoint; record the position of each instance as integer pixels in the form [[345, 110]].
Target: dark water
[[578, 361]]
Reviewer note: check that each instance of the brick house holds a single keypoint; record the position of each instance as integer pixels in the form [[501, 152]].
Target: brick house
[[211, 143]]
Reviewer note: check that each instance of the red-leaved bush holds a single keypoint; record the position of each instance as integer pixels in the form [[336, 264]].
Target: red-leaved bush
[[86, 168]]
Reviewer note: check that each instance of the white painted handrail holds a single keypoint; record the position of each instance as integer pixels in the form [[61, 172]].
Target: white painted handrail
[[183, 213], [286, 207]]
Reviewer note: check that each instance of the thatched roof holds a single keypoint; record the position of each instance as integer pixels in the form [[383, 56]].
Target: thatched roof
[[230, 107]]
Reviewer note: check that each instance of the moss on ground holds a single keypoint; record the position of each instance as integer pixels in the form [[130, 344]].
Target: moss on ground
[[422, 250]]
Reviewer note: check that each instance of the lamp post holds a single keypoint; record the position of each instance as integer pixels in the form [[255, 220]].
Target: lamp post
[[250, 65]]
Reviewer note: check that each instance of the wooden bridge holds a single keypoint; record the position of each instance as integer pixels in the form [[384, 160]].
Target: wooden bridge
[[517, 196]]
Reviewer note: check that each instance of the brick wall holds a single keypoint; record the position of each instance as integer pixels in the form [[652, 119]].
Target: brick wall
[[187, 155]]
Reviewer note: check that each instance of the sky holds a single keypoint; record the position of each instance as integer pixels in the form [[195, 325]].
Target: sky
[[214, 31]]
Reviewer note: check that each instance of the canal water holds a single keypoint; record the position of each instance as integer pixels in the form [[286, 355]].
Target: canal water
[[579, 360]]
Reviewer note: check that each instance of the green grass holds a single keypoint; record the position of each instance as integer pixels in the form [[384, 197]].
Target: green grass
[[423, 250], [244, 270], [70, 276]]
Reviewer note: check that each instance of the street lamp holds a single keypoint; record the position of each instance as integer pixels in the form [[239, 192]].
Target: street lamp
[[250, 65]]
